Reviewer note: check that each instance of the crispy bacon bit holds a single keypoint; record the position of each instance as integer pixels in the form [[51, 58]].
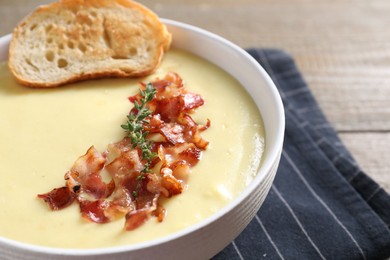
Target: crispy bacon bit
[[187, 153], [178, 143], [94, 210], [170, 183], [135, 219], [85, 173], [159, 213], [58, 198], [127, 163]]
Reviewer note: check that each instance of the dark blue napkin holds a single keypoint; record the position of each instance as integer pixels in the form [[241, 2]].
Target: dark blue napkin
[[321, 205]]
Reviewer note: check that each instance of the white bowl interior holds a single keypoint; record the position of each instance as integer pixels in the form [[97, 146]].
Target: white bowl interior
[[255, 80]]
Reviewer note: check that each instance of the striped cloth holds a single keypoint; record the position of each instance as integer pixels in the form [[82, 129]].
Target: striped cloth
[[321, 205]]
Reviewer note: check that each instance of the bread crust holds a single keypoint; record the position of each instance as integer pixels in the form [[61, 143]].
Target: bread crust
[[73, 40]]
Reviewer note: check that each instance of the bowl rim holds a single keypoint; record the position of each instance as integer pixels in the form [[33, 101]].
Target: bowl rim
[[272, 155]]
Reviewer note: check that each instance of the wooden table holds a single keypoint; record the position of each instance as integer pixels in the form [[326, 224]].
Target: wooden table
[[342, 48]]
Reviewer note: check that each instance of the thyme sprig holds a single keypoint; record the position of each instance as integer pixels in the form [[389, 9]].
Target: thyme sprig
[[135, 130]]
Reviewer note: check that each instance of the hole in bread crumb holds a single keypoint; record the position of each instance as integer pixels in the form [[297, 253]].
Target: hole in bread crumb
[[106, 36], [61, 46], [82, 47], [49, 27], [49, 55], [94, 14], [70, 44], [32, 27], [49, 40], [28, 61], [133, 51], [62, 63]]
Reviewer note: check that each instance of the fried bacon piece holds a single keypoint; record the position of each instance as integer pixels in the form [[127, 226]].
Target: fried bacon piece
[[58, 198], [129, 193], [84, 176], [94, 210]]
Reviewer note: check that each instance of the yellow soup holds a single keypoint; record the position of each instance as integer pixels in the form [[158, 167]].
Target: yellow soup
[[43, 131]]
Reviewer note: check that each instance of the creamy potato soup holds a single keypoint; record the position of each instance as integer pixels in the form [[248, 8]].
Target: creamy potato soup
[[43, 131]]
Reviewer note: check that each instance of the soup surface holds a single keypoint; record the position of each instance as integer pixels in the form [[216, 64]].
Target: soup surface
[[43, 131]]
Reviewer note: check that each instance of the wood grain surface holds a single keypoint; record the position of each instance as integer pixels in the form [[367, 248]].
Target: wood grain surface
[[342, 48]]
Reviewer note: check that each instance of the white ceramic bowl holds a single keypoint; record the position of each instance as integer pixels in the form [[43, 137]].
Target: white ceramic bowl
[[207, 238]]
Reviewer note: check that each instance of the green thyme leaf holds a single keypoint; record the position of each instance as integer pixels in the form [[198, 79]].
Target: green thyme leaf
[[135, 131]]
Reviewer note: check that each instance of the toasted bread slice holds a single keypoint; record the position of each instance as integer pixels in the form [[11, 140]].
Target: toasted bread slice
[[73, 40]]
